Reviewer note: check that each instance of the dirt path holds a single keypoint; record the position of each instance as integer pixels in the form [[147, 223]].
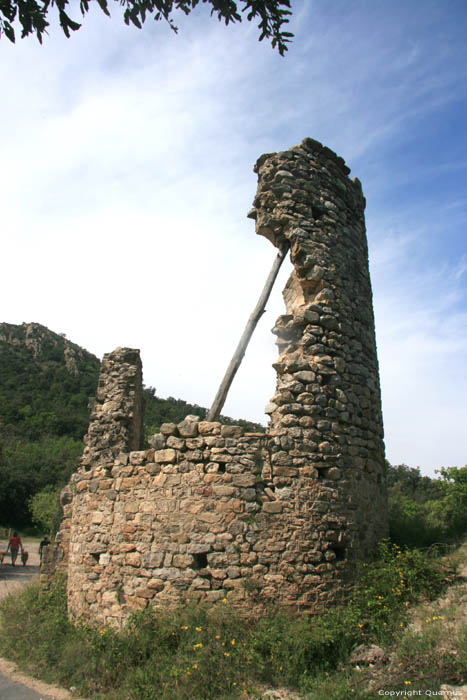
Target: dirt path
[[13, 684], [12, 578]]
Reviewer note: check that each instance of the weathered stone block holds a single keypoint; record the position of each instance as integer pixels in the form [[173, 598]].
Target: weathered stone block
[[138, 457], [231, 431], [175, 442], [188, 427], [168, 429], [157, 441], [156, 584], [145, 593], [222, 490], [168, 455], [131, 507], [133, 559], [244, 480], [273, 507]]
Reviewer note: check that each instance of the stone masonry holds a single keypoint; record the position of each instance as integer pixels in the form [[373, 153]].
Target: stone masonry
[[210, 513]]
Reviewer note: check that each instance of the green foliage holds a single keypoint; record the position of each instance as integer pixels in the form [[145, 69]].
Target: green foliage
[[410, 483], [195, 652], [45, 510], [454, 503], [272, 15], [387, 586], [41, 391], [30, 467], [411, 524], [424, 511]]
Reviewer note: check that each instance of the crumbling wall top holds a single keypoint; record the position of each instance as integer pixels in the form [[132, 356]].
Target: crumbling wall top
[[116, 423], [306, 174]]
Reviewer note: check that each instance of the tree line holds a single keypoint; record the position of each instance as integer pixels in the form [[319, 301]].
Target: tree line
[[424, 511]]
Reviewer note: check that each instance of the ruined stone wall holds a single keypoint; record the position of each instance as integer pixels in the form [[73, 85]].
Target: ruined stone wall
[[211, 513], [327, 401]]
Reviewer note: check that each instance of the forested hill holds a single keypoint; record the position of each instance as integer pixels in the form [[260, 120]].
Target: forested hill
[[46, 382]]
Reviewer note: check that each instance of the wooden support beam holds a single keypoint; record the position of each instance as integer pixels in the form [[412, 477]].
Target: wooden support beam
[[239, 353]]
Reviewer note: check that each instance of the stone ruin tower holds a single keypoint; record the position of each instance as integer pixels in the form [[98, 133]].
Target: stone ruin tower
[[209, 512]]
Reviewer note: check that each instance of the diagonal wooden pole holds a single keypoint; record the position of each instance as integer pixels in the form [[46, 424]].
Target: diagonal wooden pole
[[239, 353]]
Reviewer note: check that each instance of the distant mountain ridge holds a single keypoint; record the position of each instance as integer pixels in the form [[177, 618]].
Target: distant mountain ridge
[[34, 336]]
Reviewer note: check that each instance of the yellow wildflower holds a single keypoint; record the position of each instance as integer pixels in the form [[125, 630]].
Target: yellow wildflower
[[198, 646]]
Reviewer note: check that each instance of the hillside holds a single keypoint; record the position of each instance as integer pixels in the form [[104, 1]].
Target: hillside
[[46, 382]]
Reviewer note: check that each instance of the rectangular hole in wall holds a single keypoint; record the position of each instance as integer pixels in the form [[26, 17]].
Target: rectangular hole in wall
[[200, 561], [339, 551], [322, 472]]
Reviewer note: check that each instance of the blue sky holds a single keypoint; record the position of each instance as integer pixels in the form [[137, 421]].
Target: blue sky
[[126, 177]]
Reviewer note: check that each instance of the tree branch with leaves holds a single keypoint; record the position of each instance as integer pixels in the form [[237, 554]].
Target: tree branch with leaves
[[272, 15]]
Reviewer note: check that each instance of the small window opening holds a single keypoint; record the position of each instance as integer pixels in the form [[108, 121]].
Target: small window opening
[[95, 557], [339, 551], [221, 469], [200, 561], [322, 472], [317, 212]]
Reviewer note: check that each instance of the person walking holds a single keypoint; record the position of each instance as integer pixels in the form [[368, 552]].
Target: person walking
[[44, 543], [14, 545]]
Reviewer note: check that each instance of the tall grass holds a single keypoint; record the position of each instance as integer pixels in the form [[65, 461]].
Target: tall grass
[[196, 653]]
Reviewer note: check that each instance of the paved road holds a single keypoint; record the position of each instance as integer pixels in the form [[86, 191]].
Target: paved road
[[11, 690], [13, 578]]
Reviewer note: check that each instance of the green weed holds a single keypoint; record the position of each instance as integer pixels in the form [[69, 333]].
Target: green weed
[[193, 653]]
